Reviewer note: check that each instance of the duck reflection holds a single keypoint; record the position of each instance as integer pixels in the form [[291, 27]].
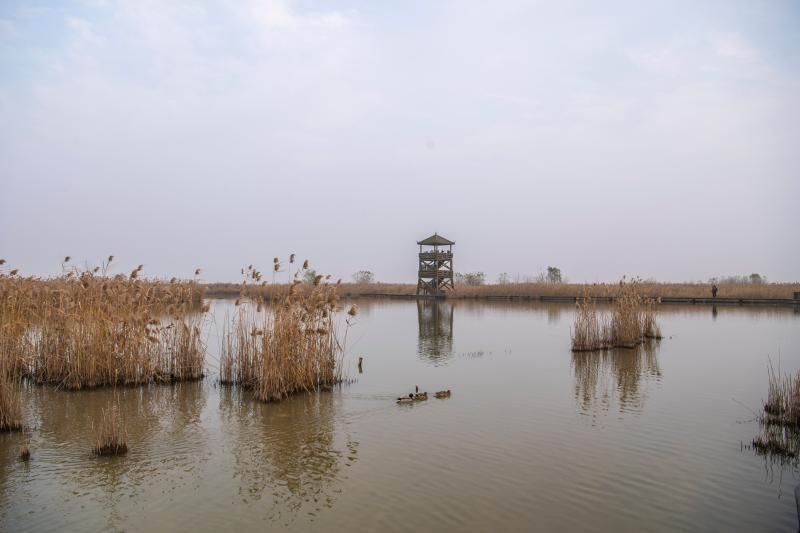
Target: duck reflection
[[615, 379], [290, 451], [435, 343]]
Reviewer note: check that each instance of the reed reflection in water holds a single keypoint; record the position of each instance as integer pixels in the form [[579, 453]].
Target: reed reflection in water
[[290, 452], [435, 341], [166, 441], [615, 378]]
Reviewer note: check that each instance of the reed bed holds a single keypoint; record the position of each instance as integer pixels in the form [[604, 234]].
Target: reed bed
[[10, 406], [285, 341], [86, 329], [111, 435], [632, 320], [649, 289]]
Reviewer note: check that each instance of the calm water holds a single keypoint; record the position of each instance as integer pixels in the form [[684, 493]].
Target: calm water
[[533, 437]]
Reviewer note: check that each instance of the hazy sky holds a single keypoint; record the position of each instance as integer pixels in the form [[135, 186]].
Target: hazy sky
[[659, 139]]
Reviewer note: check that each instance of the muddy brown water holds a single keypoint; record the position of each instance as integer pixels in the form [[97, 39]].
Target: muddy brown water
[[533, 438]]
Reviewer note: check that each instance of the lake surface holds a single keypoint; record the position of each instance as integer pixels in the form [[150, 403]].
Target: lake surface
[[534, 438]]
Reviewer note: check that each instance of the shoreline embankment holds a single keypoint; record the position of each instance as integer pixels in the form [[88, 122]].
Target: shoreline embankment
[[776, 294]]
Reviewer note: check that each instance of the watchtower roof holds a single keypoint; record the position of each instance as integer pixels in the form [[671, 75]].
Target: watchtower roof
[[435, 240]]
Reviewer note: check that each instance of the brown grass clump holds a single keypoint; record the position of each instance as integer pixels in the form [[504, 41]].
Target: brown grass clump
[[285, 342], [632, 320], [88, 329], [111, 436], [588, 333], [626, 320], [783, 399], [10, 406], [650, 328], [779, 423]]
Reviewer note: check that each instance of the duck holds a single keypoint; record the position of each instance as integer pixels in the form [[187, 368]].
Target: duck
[[421, 396], [406, 399], [442, 394]]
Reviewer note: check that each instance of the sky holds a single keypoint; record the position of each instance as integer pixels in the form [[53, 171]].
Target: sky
[[658, 139]]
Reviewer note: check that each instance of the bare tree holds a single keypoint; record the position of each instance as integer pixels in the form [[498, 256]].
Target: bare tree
[[553, 274], [504, 278], [471, 278], [363, 276]]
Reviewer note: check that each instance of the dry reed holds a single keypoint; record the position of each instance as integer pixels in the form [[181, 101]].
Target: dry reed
[[780, 421], [589, 332], [86, 329], [285, 341], [10, 406], [111, 436], [632, 320], [783, 398]]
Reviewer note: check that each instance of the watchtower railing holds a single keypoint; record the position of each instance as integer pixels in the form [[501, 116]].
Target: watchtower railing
[[434, 273], [435, 256]]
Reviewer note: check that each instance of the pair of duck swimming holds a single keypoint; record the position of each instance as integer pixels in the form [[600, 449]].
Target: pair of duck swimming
[[418, 396]]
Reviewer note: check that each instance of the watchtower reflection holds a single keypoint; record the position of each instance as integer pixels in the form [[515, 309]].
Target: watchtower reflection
[[435, 319]]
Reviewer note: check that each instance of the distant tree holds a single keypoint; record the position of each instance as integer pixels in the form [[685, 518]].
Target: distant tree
[[754, 279], [363, 276], [504, 278], [553, 275], [471, 278]]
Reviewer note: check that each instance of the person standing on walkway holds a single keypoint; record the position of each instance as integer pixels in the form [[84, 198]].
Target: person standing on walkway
[[714, 290]]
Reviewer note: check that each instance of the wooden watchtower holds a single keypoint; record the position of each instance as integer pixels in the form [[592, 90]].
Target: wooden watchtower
[[435, 266]]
